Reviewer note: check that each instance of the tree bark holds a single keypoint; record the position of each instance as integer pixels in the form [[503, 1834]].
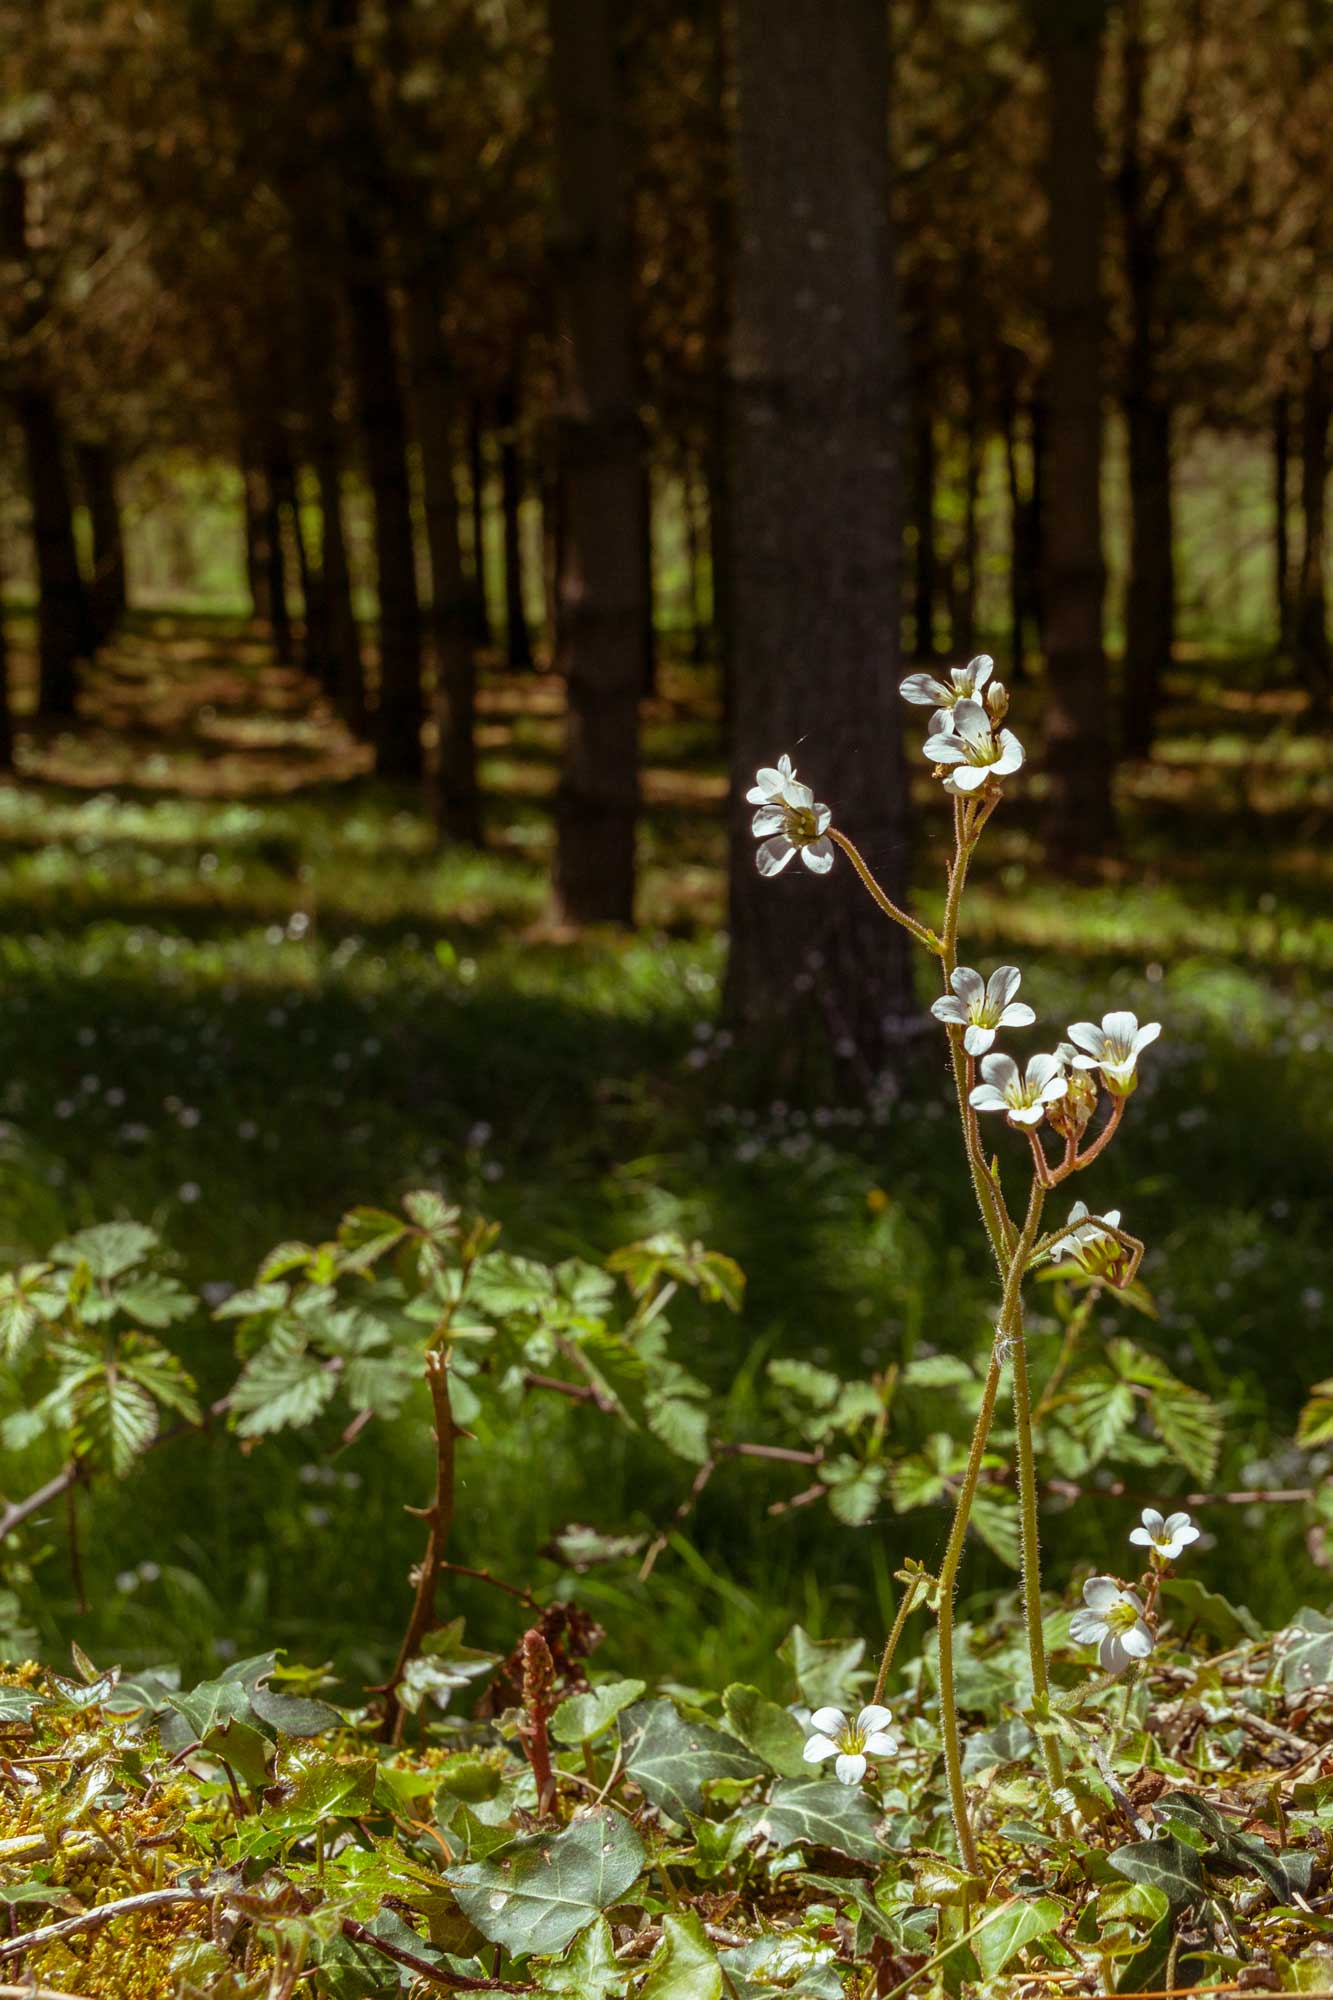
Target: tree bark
[[925, 574], [6, 708], [816, 973], [518, 639], [1311, 610], [603, 586], [476, 462], [64, 626], [1080, 818], [106, 592], [1281, 523], [280, 617], [291, 535], [255, 495], [457, 799]]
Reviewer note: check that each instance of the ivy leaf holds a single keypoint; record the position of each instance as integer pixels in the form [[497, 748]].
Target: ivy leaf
[[1305, 1650], [769, 1731], [1167, 1864], [821, 1812], [685, 1966], [117, 1421], [581, 1718], [293, 1714], [1197, 1606], [211, 1705], [670, 1760], [591, 1971], [282, 1385], [1002, 1937], [827, 1671], [536, 1893]]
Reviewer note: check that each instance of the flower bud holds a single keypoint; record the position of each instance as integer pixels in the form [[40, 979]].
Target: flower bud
[[1069, 1115], [997, 702]]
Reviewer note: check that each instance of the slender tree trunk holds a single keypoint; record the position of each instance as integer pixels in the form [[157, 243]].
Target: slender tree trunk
[[344, 678], [106, 592], [518, 639], [476, 463], [602, 583], [6, 709], [965, 636], [925, 576], [1081, 819], [722, 246], [650, 581], [1311, 610], [280, 617], [255, 494], [1281, 521], [291, 535], [1017, 521], [457, 800], [815, 970], [550, 491], [63, 620], [1151, 597], [691, 502]]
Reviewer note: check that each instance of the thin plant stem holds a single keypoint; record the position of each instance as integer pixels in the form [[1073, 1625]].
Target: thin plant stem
[[905, 1608], [884, 900], [439, 1517], [1011, 1326]]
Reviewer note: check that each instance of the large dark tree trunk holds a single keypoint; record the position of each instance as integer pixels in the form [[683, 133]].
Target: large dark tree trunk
[[106, 592], [1150, 603], [6, 711], [1311, 610], [342, 671], [722, 247], [518, 639], [368, 198], [457, 801], [602, 582], [815, 970], [64, 625], [925, 571], [1081, 818], [1281, 524]]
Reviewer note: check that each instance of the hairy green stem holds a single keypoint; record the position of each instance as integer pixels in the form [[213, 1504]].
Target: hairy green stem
[[1011, 1327], [885, 901], [905, 1609]]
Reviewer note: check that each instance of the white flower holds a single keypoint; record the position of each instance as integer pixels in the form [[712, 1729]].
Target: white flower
[[1114, 1048], [966, 684], [788, 821], [850, 1742], [1166, 1538], [1113, 1623], [984, 1006], [1023, 1097], [974, 751], [1085, 1229]]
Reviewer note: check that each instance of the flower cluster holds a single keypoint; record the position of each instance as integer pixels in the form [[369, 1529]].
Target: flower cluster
[[1115, 1619], [966, 742], [788, 821], [1113, 1049]]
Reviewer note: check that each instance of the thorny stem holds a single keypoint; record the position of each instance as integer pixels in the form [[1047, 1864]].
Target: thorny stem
[[885, 901]]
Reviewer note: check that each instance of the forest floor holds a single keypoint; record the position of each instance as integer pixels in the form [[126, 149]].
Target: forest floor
[[244, 988]]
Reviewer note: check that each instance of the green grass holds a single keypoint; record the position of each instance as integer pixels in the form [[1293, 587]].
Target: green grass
[[233, 1016]]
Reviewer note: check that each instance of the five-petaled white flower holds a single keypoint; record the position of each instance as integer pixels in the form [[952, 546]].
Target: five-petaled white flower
[[984, 1006], [1166, 1538], [1023, 1096], [850, 1742], [788, 821], [1085, 1229], [1113, 1623], [1114, 1048], [972, 750], [965, 684]]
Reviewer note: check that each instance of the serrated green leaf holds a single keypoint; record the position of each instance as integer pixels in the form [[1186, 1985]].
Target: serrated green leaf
[[1316, 1419], [816, 1386], [281, 1386], [254, 1300], [108, 1249], [536, 1893], [211, 1705], [685, 1965], [855, 1490], [1100, 1408], [117, 1421], [294, 1714], [501, 1284], [154, 1300], [681, 1426], [1189, 1425], [995, 1520], [937, 1371], [161, 1373], [431, 1213], [671, 1760]]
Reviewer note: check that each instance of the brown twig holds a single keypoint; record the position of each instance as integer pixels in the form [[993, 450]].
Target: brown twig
[[102, 1913], [439, 1975], [498, 1582], [439, 1515]]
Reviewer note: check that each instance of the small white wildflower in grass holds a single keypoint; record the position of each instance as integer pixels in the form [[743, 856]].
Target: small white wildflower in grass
[[964, 684], [1114, 1048], [1166, 1538], [973, 751], [788, 821], [984, 1006], [1113, 1622], [1021, 1095], [851, 1743]]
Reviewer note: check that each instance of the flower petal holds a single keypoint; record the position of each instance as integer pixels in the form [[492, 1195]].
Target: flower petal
[[967, 984], [1154, 1523], [973, 724], [798, 795], [1101, 1592], [1040, 1070], [1012, 754], [828, 1721], [818, 1749], [1001, 1070], [1016, 1015], [1088, 1037], [880, 1744], [1026, 1114], [1086, 1628], [1001, 987], [773, 856], [977, 1040], [1112, 1654], [818, 856], [872, 1717], [970, 777], [1137, 1642], [1141, 1538], [980, 670], [822, 817], [950, 1009], [1146, 1034], [925, 691], [985, 1097], [768, 819], [1120, 1027], [851, 1770], [944, 750]]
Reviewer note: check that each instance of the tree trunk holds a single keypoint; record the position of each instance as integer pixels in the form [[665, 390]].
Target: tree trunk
[[342, 672], [255, 493], [106, 592], [1281, 503], [925, 575], [64, 634], [6, 709], [476, 464], [1151, 598], [1018, 592], [457, 801], [1080, 818], [345, 674], [280, 617], [603, 587], [816, 972], [1311, 611], [291, 535], [518, 639]]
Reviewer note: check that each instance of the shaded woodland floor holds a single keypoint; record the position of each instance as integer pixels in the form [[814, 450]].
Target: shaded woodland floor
[[245, 988]]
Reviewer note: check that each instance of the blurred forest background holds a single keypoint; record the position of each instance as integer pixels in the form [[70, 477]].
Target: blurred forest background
[[447, 445]]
